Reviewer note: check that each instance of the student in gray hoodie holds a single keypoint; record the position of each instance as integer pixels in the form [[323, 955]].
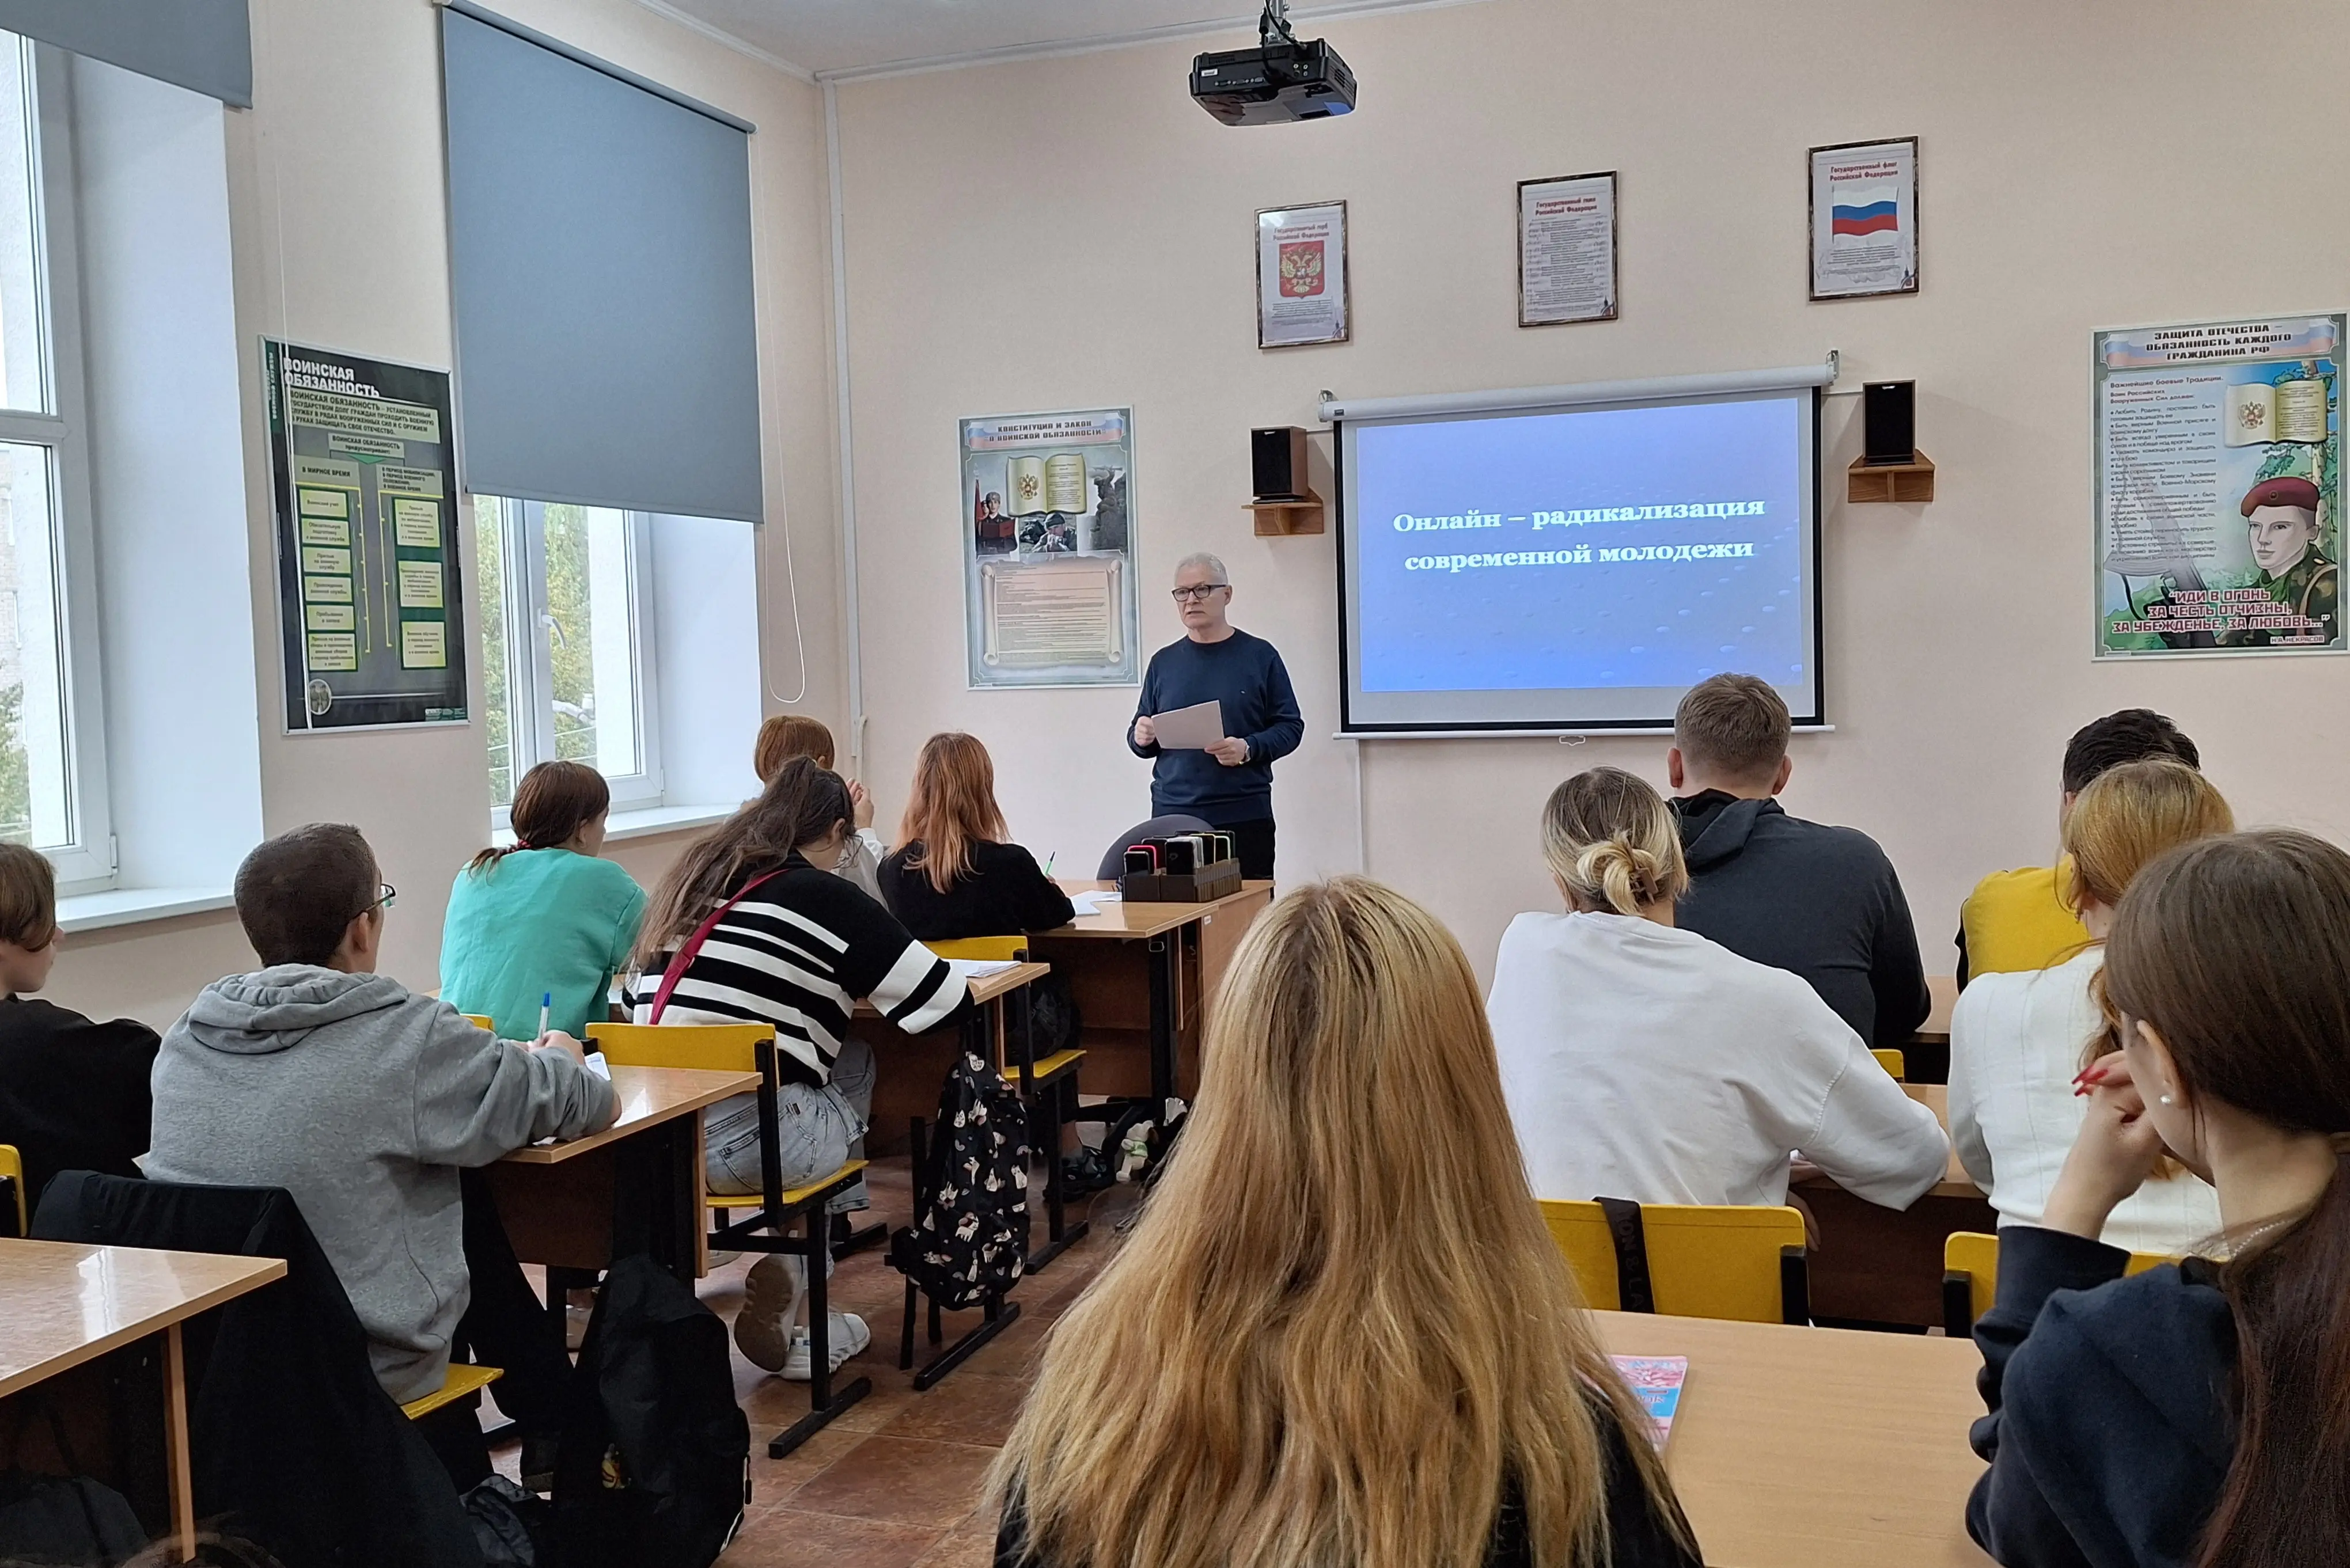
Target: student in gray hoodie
[[360, 1099]]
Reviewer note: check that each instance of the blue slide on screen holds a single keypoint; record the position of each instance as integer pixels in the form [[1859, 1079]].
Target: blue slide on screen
[[1580, 567]]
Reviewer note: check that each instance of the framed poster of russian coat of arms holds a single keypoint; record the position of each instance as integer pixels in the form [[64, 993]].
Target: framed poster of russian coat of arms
[[1301, 276]]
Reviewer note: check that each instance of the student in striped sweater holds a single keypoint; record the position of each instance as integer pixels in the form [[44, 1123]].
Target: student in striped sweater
[[747, 929]]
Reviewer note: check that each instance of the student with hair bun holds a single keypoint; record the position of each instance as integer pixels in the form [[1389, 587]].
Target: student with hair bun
[[2193, 1413], [1644, 1062], [545, 917]]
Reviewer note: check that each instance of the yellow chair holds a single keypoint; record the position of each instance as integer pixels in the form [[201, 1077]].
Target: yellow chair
[[1892, 1061], [1703, 1261], [479, 1021], [1970, 1277], [462, 1380], [751, 1048], [981, 949], [12, 1177]]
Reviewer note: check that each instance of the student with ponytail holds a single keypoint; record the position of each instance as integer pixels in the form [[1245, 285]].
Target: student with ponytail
[[751, 926], [545, 918], [2192, 1415], [1644, 1062]]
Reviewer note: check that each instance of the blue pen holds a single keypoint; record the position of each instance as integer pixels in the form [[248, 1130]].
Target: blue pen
[[546, 1008]]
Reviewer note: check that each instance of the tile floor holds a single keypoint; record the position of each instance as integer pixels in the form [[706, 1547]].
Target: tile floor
[[895, 1482]]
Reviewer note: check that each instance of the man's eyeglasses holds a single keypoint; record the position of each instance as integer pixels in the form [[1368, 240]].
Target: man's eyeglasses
[[1193, 594], [386, 895]]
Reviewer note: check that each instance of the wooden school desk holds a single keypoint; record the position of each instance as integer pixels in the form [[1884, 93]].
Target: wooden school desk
[[1944, 989], [1929, 1049], [64, 1303], [1141, 974], [1884, 1265], [1817, 1447], [634, 1186]]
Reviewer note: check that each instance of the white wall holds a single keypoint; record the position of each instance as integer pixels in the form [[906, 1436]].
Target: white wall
[[168, 475], [703, 596], [1073, 232], [340, 238]]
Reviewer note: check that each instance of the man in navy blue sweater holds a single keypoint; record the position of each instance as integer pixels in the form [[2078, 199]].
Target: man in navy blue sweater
[[1229, 785]]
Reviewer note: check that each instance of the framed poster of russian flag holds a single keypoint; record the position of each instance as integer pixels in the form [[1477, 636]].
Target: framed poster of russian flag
[[1864, 219]]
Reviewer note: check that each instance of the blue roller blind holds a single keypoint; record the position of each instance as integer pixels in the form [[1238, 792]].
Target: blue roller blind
[[600, 258], [204, 46]]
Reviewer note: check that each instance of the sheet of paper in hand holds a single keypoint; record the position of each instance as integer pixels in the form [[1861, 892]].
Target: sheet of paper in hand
[[1192, 729]]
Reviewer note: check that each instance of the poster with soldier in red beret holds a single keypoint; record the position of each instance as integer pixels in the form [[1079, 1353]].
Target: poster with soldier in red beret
[[2220, 488]]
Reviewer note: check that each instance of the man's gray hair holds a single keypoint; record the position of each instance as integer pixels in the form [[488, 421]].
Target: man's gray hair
[[1215, 568]]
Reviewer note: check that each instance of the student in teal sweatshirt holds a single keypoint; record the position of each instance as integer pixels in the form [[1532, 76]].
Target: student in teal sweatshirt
[[545, 918]]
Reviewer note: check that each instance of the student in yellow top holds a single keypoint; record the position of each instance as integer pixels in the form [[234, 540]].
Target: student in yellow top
[[2017, 920]]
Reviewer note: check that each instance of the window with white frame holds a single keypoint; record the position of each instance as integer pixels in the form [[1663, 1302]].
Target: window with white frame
[[52, 755], [567, 646]]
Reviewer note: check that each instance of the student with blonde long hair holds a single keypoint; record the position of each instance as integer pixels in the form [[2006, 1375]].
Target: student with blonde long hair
[[782, 737], [2018, 1040], [952, 875], [1645, 1061], [1368, 1350], [2193, 1413]]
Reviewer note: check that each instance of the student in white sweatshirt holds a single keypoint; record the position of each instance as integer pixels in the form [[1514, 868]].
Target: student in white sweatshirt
[[1644, 1062], [2020, 1041]]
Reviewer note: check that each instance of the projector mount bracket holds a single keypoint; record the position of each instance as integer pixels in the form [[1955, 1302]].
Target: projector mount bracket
[[1274, 24]]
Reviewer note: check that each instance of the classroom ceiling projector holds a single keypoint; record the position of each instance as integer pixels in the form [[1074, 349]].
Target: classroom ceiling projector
[[1278, 81]]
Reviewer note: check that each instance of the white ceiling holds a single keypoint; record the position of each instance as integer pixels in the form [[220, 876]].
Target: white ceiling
[[854, 36]]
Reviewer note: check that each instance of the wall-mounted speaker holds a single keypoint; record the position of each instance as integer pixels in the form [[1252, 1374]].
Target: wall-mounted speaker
[[1889, 422], [1277, 463]]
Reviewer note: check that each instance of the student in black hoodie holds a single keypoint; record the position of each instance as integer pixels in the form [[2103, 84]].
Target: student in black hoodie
[[73, 1090], [1817, 901], [2192, 1414], [953, 875]]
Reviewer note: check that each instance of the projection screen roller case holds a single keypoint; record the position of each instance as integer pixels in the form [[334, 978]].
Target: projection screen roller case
[[1577, 563]]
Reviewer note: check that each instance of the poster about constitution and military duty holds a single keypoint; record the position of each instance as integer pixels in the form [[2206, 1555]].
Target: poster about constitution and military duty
[[2219, 472], [1049, 549], [363, 486]]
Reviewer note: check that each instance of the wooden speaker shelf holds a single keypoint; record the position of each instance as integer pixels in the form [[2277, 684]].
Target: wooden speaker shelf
[[1277, 518], [1911, 482]]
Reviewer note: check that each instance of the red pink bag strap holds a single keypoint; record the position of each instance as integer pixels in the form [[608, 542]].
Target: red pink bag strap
[[682, 959]]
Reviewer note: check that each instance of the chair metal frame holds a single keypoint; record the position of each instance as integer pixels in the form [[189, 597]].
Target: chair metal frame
[[776, 1210], [998, 1312], [1055, 1090]]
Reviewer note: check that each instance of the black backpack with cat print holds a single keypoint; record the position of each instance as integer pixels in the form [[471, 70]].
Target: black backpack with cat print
[[968, 1239]]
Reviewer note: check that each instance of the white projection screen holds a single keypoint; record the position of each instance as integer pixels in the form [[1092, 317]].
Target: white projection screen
[[1576, 566]]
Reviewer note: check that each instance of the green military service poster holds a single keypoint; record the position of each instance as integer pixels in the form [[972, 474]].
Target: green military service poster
[[364, 483], [2219, 475]]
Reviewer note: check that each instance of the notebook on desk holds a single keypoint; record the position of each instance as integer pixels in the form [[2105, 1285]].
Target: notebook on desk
[[1656, 1382]]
